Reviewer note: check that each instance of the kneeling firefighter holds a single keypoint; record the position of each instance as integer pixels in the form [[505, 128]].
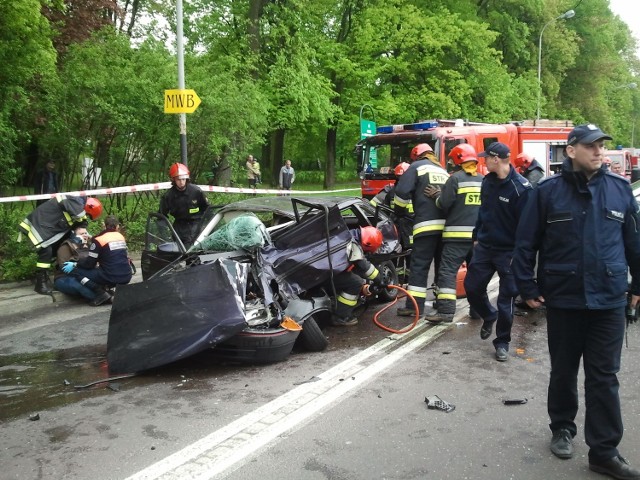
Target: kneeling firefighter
[[349, 283]]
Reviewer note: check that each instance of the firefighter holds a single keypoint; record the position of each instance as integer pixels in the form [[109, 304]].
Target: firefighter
[[529, 168], [428, 222], [385, 196], [504, 195], [49, 224], [185, 202], [349, 283], [107, 263], [460, 201]]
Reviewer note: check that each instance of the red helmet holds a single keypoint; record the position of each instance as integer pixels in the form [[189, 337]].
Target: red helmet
[[463, 152], [523, 160], [606, 161], [93, 207], [370, 239], [180, 171], [419, 150], [400, 169]]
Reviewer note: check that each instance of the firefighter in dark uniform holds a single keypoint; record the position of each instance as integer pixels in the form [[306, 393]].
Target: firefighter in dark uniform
[[460, 201], [108, 261], [584, 223], [504, 195], [185, 202], [49, 224], [529, 168], [349, 283], [386, 197], [428, 221]]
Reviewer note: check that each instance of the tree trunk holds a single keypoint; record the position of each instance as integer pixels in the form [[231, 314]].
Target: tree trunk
[[277, 153], [330, 166]]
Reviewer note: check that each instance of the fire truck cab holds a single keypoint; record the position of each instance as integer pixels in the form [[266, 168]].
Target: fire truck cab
[[377, 155]]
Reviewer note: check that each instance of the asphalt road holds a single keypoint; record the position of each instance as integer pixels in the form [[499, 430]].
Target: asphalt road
[[355, 411]]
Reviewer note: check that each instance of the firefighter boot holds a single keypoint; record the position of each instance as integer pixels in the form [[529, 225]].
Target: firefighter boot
[[43, 284]]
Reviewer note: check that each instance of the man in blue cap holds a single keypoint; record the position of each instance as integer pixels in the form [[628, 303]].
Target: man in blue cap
[[503, 196], [584, 223]]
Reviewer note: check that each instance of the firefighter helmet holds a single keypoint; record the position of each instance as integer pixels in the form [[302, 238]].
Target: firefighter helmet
[[179, 171], [370, 239], [523, 160], [606, 161], [419, 150], [93, 207], [463, 152], [400, 169]]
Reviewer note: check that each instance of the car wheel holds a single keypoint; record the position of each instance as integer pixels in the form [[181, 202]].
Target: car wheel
[[311, 337], [390, 277]]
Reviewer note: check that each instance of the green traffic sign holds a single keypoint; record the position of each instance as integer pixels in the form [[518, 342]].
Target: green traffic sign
[[367, 128]]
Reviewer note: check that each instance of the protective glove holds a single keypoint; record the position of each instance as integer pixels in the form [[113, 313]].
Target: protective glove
[[431, 191], [67, 267]]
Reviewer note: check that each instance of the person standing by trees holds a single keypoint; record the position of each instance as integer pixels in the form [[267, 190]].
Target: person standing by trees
[[46, 181], [253, 174], [287, 176], [185, 202], [584, 223], [504, 195]]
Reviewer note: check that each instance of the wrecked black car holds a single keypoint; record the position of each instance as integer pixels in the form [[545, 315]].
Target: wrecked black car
[[254, 283]]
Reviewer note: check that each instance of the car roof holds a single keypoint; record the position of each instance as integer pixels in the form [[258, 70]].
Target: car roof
[[283, 205]]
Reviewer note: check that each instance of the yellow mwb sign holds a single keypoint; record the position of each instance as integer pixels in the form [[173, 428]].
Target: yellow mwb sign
[[180, 101]]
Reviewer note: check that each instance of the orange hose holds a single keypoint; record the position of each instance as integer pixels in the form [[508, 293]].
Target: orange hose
[[382, 310]]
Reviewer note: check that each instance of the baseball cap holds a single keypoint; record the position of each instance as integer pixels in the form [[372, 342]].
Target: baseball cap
[[587, 133], [496, 149]]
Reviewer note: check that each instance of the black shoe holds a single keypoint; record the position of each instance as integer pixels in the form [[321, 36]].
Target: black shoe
[[616, 467], [562, 443], [407, 312], [344, 322], [438, 317], [501, 354], [487, 328], [100, 299]]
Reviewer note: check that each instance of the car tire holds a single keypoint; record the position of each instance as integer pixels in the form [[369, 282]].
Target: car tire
[[311, 337], [390, 277]]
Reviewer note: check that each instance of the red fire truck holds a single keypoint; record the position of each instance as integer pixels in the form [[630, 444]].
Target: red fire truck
[[378, 154]]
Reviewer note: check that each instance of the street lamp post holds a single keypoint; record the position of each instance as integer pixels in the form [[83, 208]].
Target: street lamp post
[[565, 15]]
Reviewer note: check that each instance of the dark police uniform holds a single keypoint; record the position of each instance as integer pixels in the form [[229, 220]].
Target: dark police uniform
[[460, 200], [502, 203], [586, 233], [187, 208], [428, 222]]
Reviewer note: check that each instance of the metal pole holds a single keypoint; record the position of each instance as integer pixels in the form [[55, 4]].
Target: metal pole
[[567, 14], [182, 116]]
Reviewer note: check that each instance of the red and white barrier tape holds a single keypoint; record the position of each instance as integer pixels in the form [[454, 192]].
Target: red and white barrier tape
[[165, 186]]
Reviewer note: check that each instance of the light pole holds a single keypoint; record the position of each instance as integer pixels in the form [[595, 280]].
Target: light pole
[[565, 15]]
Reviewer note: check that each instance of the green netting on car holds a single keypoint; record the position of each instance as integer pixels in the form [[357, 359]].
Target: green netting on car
[[244, 232]]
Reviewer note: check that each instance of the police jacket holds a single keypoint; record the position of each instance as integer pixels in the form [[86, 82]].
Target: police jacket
[[460, 201], [53, 219], [109, 249], [187, 205], [502, 203], [586, 233], [534, 173], [428, 218]]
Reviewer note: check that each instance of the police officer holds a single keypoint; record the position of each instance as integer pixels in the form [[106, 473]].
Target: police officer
[[584, 223], [428, 222], [529, 168], [504, 195], [108, 261], [349, 283], [185, 202], [49, 224], [460, 201]]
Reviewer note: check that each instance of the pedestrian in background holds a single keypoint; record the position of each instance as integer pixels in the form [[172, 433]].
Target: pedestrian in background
[[287, 176], [529, 168], [616, 167], [428, 220], [584, 224], [459, 199], [504, 195], [185, 202], [46, 181], [49, 224], [251, 171]]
